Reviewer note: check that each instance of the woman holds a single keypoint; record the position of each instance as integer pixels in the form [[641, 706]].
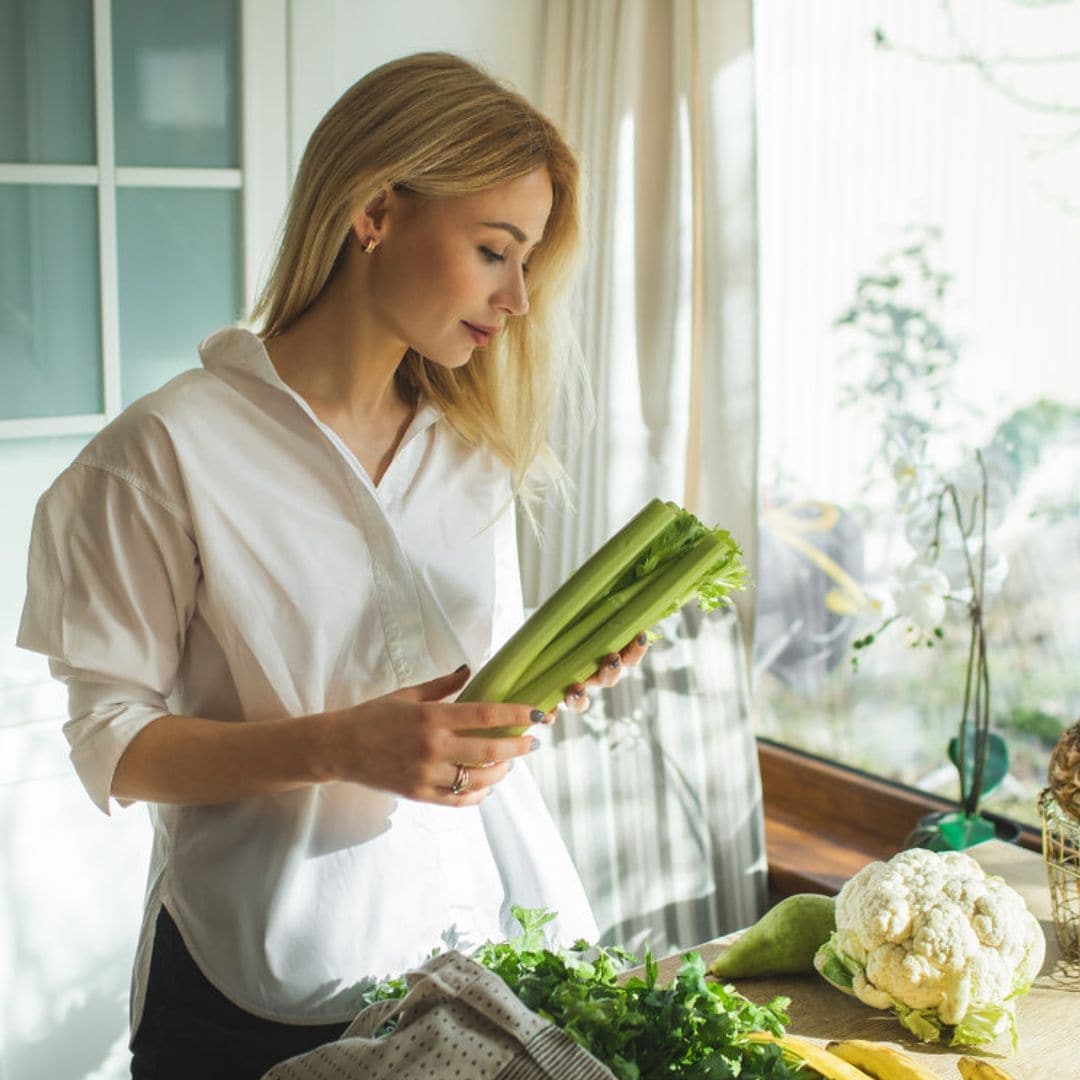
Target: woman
[[265, 582]]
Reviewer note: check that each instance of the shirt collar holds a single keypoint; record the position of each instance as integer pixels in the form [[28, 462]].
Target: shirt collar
[[235, 349]]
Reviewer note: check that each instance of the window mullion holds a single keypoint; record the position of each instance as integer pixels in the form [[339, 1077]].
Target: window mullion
[[58, 175], [265, 127], [176, 177], [107, 240]]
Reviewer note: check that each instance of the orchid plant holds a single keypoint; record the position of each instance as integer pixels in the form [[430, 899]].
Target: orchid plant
[[947, 518]]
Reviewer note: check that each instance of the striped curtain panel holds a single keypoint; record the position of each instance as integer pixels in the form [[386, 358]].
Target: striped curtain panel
[[657, 793]]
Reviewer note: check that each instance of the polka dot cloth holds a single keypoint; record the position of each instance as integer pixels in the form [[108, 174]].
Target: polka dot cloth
[[458, 1020]]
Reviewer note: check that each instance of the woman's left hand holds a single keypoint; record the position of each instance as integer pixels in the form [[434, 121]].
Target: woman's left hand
[[608, 674]]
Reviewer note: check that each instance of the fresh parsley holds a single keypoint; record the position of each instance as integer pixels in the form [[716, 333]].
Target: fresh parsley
[[693, 1029]]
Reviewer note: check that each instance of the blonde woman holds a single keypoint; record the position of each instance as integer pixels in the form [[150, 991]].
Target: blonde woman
[[265, 583]]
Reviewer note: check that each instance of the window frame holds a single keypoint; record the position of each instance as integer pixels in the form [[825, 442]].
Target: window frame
[[262, 180], [824, 821]]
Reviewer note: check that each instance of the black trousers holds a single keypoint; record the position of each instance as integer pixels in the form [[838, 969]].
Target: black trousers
[[190, 1031]]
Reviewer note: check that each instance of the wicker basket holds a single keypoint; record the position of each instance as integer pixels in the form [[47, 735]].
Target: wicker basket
[[1061, 850]]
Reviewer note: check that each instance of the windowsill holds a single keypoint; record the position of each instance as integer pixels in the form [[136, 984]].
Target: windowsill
[[824, 821]]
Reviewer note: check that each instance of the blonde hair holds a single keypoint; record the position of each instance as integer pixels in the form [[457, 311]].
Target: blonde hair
[[438, 126]]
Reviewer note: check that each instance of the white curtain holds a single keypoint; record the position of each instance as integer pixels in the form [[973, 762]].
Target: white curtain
[[657, 98]]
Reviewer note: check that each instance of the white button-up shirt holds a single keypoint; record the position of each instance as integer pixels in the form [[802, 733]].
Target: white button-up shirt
[[217, 551]]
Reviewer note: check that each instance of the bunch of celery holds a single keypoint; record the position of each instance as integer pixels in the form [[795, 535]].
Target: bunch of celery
[[656, 563]]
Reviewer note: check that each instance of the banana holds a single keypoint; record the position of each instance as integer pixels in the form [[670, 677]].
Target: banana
[[880, 1061], [817, 1057], [977, 1069]]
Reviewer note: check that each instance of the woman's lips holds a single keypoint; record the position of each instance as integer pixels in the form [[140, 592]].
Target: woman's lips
[[480, 334]]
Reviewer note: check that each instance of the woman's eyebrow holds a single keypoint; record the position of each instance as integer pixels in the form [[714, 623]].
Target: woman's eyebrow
[[513, 230]]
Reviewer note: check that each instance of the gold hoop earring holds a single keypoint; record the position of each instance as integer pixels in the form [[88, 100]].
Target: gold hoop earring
[[371, 245]]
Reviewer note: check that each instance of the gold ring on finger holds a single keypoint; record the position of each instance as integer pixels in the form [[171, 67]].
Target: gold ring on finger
[[461, 781]]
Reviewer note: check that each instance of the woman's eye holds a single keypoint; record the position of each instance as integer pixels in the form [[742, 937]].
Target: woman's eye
[[491, 256]]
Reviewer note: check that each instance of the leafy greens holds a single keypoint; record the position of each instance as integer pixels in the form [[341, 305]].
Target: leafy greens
[[693, 1029]]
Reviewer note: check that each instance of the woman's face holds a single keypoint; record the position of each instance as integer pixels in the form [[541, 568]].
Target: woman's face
[[449, 273]]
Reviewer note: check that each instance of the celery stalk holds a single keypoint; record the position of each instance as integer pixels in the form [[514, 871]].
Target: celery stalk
[[585, 626], [650, 568], [682, 534], [714, 559], [496, 679]]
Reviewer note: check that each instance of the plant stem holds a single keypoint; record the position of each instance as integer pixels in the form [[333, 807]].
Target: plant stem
[[982, 714], [982, 722], [976, 704], [961, 748]]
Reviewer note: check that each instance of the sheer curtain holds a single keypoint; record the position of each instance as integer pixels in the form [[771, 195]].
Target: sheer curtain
[[657, 97], [656, 788]]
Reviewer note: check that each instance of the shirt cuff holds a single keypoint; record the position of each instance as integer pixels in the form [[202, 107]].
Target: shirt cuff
[[104, 720]]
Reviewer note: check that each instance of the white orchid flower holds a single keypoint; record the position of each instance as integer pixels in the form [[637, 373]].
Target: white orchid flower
[[929, 521], [953, 564], [905, 470], [920, 595], [913, 476], [880, 600], [930, 513], [967, 479]]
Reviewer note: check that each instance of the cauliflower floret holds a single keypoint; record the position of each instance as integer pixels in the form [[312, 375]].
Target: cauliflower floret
[[933, 931]]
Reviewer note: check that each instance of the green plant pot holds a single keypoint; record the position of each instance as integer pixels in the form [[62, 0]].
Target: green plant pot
[[956, 831]]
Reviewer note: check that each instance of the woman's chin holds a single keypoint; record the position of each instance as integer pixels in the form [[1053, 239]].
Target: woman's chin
[[448, 358]]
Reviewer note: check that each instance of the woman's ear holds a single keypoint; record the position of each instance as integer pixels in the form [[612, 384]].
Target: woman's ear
[[371, 222]]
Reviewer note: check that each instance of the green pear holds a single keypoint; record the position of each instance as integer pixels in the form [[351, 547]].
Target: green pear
[[783, 941]]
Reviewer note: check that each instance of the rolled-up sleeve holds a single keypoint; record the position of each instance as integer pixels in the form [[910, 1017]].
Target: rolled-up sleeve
[[111, 581]]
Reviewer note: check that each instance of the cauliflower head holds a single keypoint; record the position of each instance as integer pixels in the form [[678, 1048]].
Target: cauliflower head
[[932, 936]]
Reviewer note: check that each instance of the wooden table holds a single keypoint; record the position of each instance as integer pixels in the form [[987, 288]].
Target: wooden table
[[1048, 1017]]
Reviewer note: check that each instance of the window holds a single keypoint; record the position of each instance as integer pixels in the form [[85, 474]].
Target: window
[[920, 248], [136, 195]]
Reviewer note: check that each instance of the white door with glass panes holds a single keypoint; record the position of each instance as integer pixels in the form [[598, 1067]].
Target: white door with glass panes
[[143, 174], [135, 213]]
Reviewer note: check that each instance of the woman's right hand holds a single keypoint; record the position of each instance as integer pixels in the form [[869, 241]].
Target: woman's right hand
[[408, 742]]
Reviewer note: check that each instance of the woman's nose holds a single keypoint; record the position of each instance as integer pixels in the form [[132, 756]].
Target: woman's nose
[[513, 298]]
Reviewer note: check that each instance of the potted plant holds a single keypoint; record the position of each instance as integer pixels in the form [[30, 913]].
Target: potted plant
[[946, 521], [905, 369]]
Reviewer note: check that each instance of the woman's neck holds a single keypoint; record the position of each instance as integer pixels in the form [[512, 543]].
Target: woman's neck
[[342, 362], [340, 358]]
